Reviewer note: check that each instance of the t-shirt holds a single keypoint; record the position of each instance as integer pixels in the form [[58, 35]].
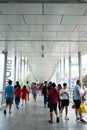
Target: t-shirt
[[65, 94], [9, 91], [18, 92], [53, 93], [75, 94], [28, 87]]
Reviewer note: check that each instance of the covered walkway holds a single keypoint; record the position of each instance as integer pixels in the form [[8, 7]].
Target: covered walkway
[[34, 116]]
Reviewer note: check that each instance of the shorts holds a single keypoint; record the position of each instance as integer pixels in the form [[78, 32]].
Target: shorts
[[53, 107], [64, 102], [9, 101], [77, 103]]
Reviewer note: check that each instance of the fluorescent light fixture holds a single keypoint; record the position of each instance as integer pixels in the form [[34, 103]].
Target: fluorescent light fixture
[[83, 0]]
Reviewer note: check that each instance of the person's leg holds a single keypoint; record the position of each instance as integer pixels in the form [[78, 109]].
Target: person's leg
[[51, 114], [56, 113], [9, 108], [66, 112]]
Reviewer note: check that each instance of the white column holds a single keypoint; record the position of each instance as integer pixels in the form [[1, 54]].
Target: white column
[[15, 67], [5, 68], [80, 66], [60, 71], [64, 69], [70, 74]]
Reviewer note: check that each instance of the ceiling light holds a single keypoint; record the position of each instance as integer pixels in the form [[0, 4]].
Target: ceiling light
[[42, 55], [42, 47], [83, 0]]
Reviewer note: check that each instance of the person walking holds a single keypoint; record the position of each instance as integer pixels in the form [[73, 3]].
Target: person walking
[[9, 95], [77, 98], [28, 89], [34, 91], [17, 94], [64, 95], [53, 100], [24, 94], [45, 93]]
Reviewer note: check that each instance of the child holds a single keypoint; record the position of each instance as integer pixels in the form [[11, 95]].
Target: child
[[24, 94]]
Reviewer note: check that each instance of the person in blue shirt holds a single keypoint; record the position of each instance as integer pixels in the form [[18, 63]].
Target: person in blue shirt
[[77, 100], [34, 91], [9, 94]]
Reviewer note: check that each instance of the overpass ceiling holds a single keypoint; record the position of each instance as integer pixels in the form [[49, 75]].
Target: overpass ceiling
[[43, 32]]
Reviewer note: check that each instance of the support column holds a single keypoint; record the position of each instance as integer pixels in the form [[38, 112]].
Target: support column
[[4, 75], [20, 68], [27, 69], [5, 68], [70, 75], [64, 68], [24, 68], [80, 66], [15, 64], [60, 70]]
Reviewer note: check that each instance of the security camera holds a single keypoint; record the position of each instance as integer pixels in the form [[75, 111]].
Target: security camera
[[4, 51]]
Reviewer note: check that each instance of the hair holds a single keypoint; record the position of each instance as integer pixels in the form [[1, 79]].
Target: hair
[[27, 82], [10, 82], [77, 81], [24, 86], [64, 84], [17, 82], [53, 85], [59, 86]]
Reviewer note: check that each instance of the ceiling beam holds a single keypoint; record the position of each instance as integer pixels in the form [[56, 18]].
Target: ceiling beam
[[42, 1]]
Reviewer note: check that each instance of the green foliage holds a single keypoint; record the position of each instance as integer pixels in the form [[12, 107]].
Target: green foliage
[[84, 80], [29, 78]]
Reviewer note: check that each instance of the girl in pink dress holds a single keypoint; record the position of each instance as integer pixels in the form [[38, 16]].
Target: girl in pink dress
[[24, 94]]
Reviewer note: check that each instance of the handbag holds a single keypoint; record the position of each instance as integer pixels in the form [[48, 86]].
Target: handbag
[[82, 108]]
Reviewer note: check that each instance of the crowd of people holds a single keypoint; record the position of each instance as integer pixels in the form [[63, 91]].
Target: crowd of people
[[56, 97]]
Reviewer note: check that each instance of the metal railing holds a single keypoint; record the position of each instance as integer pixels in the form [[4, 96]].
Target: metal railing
[[2, 98]]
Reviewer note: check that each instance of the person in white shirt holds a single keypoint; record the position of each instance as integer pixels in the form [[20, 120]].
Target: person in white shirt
[[64, 95], [28, 89]]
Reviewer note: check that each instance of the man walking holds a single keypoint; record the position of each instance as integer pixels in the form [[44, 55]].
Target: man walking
[[9, 96], [77, 100]]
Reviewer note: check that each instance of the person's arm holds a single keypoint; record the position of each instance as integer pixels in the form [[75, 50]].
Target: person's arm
[[80, 95]]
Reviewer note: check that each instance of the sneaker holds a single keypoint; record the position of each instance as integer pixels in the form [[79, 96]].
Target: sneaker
[[4, 112], [83, 121], [77, 119], [66, 118], [57, 119], [17, 107]]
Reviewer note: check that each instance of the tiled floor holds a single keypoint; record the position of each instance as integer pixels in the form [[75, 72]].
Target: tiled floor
[[33, 116]]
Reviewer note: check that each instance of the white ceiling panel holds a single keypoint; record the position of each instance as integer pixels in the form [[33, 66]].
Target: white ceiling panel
[[21, 8], [59, 27], [71, 34], [36, 28], [15, 34], [11, 19], [74, 20], [42, 19], [5, 28], [55, 38], [42, 34], [81, 28], [65, 9]]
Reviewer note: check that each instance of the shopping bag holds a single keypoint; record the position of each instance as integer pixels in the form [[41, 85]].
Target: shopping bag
[[82, 108]]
